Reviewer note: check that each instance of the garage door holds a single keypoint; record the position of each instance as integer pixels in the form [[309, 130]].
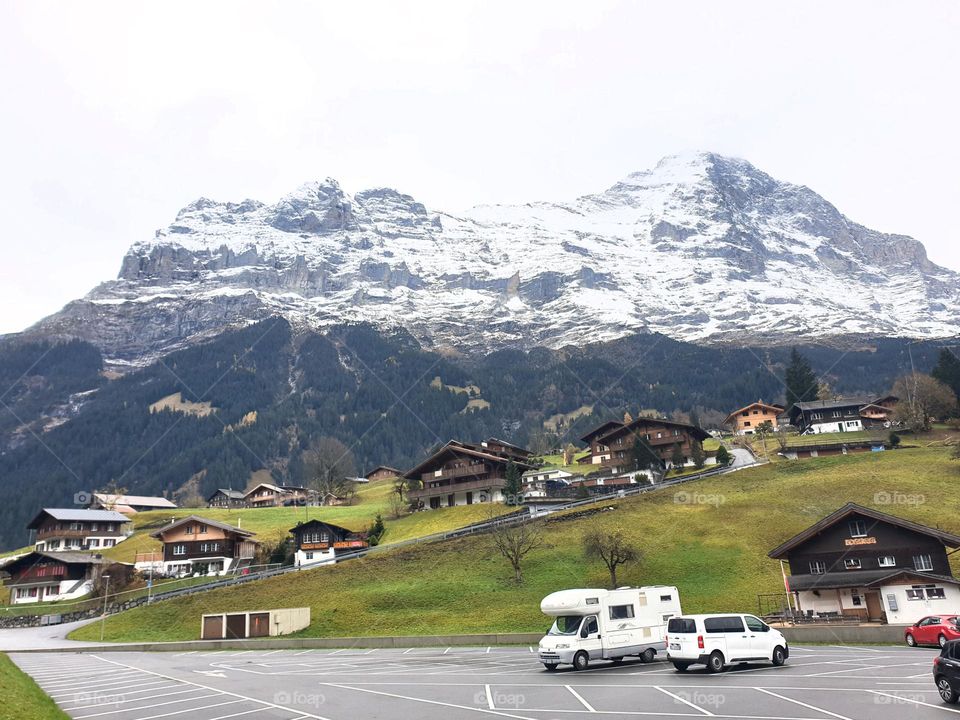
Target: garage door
[[259, 624], [236, 626]]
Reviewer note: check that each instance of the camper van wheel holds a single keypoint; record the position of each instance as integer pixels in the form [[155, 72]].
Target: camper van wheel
[[581, 660], [550, 666], [648, 655], [681, 666], [715, 662]]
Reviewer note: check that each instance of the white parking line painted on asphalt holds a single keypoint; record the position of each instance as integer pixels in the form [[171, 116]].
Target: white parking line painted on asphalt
[[683, 700], [579, 697], [803, 704], [181, 712], [147, 707], [916, 702], [490, 705], [501, 713]]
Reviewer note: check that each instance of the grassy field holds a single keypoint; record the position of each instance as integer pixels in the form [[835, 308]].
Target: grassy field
[[709, 537], [22, 697]]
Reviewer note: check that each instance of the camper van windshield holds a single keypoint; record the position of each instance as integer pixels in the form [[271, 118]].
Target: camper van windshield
[[566, 625]]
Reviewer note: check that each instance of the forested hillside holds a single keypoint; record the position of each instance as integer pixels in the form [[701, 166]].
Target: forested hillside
[[272, 391]]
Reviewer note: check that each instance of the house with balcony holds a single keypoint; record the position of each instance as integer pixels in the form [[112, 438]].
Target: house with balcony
[[227, 498], [611, 445], [319, 542], [865, 564], [61, 529], [270, 495], [462, 473], [842, 414], [199, 546], [746, 420], [48, 576]]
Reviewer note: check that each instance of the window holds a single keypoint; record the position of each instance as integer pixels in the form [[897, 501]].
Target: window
[[818, 567], [681, 625], [837, 413], [76, 526], [922, 562], [892, 603], [851, 563], [591, 625], [746, 423], [887, 561], [621, 612], [936, 593], [816, 416], [93, 543], [756, 624], [93, 527], [309, 555], [179, 549], [593, 601], [109, 543], [858, 528], [203, 528], [666, 598], [190, 529], [723, 624], [856, 600], [915, 594], [659, 435]]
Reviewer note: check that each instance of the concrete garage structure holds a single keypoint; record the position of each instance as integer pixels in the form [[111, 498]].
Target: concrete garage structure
[[253, 623], [861, 564]]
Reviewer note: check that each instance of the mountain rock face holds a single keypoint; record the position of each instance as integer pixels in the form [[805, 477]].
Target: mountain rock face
[[701, 248]]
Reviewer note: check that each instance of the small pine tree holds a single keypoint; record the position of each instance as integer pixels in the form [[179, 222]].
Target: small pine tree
[[723, 456], [376, 531], [512, 485], [677, 459], [801, 381], [698, 456], [894, 439]]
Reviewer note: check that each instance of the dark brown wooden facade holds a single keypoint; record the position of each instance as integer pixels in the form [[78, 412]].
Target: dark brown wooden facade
[[611, 444]]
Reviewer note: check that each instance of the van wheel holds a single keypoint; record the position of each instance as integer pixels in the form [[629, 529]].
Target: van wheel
[[550, 666], [715, 662], [648, 655], [941, 640], [946, 690], [581, 661], [681, 666], [911, 641], [779, 656]]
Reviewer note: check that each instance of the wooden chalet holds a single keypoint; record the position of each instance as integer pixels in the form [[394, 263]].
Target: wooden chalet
[[863, 563], [227, 498], [842, 414], [611, 444], [48, 576], [320, 542], [462, 473], [746, 420], [59, 529], [269, 495], [198, 545], [129, 504], [383, 472]]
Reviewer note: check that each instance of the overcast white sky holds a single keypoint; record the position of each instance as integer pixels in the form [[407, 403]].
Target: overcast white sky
[[116, 114]]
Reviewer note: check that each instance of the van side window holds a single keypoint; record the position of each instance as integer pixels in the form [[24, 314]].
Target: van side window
[[681, 625], [621, 612], [592, 626], [723, 624], [755, 624]]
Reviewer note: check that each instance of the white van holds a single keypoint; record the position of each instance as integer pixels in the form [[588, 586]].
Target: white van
[[720, 640], [606, 624]]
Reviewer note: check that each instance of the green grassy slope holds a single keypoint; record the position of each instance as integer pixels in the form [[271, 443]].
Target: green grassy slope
[[22, 697], [709, 537]]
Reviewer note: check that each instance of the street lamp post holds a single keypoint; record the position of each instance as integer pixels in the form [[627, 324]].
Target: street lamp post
[[106, 593]]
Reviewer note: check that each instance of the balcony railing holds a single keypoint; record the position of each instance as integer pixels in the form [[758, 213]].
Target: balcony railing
[[454, 472], [466, 485]]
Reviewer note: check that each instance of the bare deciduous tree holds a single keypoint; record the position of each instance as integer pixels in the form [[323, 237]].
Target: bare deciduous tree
[[515, 541], [922, 399], [612, 547], [329, 468]]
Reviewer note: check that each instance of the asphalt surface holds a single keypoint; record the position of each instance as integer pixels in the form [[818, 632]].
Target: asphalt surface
[[817, 683]]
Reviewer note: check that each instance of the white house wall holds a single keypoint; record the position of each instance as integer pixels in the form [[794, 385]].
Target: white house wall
[[909, 611]]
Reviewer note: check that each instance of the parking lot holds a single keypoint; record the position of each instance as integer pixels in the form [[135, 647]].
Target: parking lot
[[817, 683]]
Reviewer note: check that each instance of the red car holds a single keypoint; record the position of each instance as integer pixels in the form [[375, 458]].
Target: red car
[[933, 630]]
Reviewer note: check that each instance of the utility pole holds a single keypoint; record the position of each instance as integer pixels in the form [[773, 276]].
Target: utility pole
[[106, 594]]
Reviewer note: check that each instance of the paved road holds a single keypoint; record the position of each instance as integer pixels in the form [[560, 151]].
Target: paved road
[[49, 637], [741, 458], [818, 683]]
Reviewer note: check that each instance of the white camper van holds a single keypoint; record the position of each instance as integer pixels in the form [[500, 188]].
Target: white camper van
[[606, 624]]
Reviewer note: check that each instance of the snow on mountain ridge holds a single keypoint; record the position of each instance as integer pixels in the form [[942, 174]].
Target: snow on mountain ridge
[[701, 247]]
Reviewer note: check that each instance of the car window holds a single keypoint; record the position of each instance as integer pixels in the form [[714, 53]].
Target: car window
[[755, 624], [681, 625], [933, 621], [591, 626], [726, 623]]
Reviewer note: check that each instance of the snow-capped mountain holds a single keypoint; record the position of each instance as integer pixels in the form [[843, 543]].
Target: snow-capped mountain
[[702, 247]]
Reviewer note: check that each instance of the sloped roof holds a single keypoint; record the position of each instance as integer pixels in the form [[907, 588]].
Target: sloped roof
[[384, 467], [769, 406], [134, 500], [234, 494], [601, 429], [71, 557], [315, 521], [77, 515], [780, 552], [455, 446], [696, 432], [205, 521]]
